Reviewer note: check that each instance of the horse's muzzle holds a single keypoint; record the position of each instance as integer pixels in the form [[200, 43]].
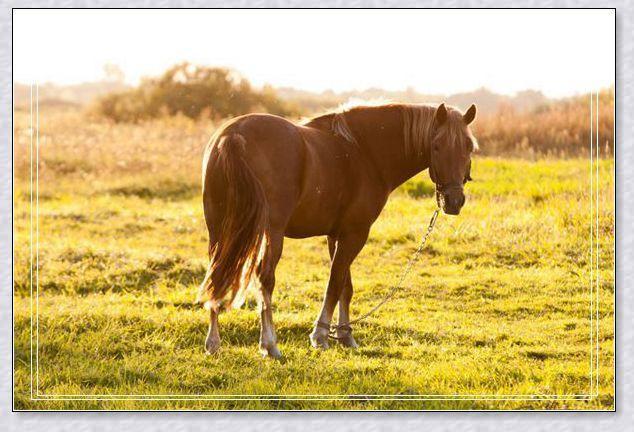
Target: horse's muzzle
[[451, 202]]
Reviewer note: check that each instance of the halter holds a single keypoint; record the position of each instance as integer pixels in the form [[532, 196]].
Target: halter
[[444, 188]]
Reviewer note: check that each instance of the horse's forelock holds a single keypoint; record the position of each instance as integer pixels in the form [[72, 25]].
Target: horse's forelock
[[418, 128], [457, 130]]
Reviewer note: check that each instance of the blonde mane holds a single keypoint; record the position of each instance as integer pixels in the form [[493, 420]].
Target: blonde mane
[[339, 127], [418, 122]]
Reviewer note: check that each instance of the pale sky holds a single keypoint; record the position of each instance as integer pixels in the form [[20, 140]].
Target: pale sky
[[560, 52]]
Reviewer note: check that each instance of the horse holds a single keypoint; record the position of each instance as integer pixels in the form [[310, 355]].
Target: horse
[[265, 178]]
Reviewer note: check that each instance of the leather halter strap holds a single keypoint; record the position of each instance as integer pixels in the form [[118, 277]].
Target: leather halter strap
[[444, 187], [448, 187]]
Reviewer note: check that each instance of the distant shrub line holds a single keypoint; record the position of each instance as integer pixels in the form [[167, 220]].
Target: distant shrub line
[[195, 92], [559, 128]]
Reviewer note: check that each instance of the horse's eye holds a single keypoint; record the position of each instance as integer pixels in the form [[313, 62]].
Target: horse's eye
[[469, 145]]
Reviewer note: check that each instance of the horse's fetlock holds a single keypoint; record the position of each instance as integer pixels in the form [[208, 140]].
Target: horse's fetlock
[[270, 349], [319, 338], [212, 345]]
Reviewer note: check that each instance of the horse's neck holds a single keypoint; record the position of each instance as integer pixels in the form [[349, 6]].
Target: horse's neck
[[381, 137]]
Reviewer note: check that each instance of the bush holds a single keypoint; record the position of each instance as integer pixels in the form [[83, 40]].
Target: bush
[[559, 128], [195, 92]]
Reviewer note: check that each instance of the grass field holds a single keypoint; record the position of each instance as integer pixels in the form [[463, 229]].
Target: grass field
[[499, 305]]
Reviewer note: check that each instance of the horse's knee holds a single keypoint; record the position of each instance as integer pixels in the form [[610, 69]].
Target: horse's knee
[[346, 293]]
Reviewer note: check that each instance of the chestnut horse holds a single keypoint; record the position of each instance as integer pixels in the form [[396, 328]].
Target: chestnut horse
[[265, 178]]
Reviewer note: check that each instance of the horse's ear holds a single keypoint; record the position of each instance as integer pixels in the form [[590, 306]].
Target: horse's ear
[[470, 114], [440, 116]]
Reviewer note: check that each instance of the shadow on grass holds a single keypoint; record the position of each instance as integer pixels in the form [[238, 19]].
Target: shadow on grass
[[92, 272], [167, 190]]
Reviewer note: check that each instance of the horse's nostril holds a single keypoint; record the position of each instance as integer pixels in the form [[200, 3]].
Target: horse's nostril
[[457, 201]]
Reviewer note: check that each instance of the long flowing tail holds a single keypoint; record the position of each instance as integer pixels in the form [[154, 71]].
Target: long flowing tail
[[238, 244]]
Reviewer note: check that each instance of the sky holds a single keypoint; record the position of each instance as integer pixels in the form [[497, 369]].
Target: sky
[[560, 52]]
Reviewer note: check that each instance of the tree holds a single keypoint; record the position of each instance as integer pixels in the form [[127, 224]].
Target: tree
[[193, 91]]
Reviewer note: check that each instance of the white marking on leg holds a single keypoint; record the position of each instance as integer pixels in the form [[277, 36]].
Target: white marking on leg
[[212, 343]]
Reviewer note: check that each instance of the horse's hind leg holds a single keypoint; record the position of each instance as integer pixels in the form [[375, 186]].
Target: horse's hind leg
[[212, 343], [268, 338]]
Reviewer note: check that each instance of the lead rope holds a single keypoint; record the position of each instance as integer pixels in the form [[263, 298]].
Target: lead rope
[[334, 327]]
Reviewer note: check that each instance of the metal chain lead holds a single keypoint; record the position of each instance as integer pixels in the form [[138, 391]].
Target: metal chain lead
[[390, 294]]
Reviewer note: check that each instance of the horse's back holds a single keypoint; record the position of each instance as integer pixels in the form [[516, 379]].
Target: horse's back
[[302, 170], [330, 167], [307, 174]]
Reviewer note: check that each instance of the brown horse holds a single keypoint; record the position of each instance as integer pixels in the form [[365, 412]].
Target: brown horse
[[265, 178]]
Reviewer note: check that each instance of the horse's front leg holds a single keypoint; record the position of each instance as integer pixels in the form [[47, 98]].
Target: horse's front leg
[[346, 249], [344, 332]]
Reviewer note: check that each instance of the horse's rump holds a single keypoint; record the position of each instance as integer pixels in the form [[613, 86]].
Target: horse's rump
[[236, 213]]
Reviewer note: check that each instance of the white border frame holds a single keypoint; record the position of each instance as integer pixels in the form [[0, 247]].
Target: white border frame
[[367, 421]]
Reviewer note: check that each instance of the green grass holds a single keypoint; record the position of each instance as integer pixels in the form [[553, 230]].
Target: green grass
[[498, 305]]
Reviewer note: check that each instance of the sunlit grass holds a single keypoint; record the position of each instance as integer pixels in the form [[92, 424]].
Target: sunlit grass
[[498, 305]]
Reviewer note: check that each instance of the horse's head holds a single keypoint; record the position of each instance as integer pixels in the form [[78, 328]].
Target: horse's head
[[450, 162]]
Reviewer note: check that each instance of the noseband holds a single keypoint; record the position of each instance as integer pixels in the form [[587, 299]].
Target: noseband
[[445, 188]]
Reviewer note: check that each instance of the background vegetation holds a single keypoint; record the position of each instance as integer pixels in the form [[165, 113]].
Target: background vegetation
[[499, 304], [193, 91], [558, 128], [526, 124]]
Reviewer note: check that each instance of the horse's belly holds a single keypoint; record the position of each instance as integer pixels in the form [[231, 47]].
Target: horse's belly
[[305, 223], [318, 211]]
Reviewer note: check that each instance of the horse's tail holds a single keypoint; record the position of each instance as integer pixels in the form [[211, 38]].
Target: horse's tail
[[238, 232]]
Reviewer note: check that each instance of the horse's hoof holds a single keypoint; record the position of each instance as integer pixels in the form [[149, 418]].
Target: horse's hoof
[[212, 346], [319, 341], [272, 352], [347, 340]]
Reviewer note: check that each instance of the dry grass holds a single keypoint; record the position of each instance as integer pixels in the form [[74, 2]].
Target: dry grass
[[559, 129], [500, 303]]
